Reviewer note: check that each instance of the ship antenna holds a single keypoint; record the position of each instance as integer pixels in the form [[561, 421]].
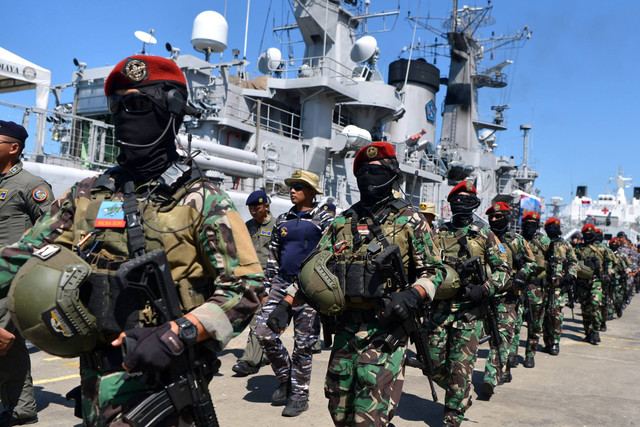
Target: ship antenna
[[246, 29], [413, 38]]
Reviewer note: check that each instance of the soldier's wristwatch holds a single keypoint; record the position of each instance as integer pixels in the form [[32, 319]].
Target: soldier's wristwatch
[[188, 332]]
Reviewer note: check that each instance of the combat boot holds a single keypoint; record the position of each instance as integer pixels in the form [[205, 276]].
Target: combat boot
[[507, 377], [554, 350], [529, 362], [487, 389], [603, 327], [281, 394], [594, 338], [242, 368], [619, 312], [512, 362], [295, 408]]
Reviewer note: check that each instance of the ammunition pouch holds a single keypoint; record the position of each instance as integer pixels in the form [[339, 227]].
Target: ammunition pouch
[[585, 271], [102, 361], [362, 279]]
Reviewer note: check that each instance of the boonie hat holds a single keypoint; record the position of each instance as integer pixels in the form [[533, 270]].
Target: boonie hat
[[428, 208], [305, 177]]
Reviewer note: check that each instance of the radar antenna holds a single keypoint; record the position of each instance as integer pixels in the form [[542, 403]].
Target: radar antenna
[[146, 38]]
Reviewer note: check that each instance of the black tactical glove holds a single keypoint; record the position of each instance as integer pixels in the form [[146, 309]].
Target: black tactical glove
[[279, 317], [401, 303], [151, 349], [520, 280], [476, 293]]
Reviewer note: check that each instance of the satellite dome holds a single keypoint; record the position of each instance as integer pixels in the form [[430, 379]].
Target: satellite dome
[[270, 60], [210, 31], [363, 49], [354, 133]]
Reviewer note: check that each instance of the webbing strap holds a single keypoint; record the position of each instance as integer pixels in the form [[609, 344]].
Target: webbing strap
[[135, 233]]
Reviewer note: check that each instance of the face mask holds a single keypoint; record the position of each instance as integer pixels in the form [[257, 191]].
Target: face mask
[[148, 146], [553, 231], [462, 207], [588, 237], [375, 183], [529, 228], [614, 246], [499, 225]]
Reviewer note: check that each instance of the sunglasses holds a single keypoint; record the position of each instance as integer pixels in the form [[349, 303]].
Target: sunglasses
[[131, 103], [296, 187], [496, 216], [371, 170]]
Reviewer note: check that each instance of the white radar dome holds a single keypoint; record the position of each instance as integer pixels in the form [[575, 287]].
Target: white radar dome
[[210, 31], [363, 49], [270, 60], [353, 133], [488, 138]]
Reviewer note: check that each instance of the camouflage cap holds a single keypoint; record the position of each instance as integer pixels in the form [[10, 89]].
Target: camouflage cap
[[428, 208], [305, 177]]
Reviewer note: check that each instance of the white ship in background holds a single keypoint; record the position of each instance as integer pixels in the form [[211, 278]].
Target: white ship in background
[[610, 212], [312, 111]]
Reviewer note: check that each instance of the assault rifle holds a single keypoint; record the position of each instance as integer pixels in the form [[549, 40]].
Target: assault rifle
[[188, 382], [490, 311], [415, 327], [568, 285]]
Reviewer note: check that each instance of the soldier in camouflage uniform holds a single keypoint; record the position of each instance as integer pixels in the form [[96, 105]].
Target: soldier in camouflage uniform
[[634, 257], [539, 245], [522, 264], [591, 261], [208, 248], [562, 255], [455, 324], [623, 268], [608, 280], [295, 234], [366, 374]]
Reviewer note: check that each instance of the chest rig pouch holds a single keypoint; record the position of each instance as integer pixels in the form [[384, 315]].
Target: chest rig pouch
[[456, 249], [117, 307], [355, 264]]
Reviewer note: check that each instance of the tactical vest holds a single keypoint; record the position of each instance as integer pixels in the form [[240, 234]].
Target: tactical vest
[[591, 256], [540, 253], [106, 248], [355, 256], [456, 248]]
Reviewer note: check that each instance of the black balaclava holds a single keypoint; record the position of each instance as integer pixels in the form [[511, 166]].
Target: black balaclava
[[462, 207], [614, 246], [553, 231], [147, 140], [375, 183], [589, 236], [500, 226], [529, 229], [599, 237]]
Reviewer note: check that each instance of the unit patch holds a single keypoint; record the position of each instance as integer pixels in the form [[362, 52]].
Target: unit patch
[[110, 215], [15, 169], [284, 231], [265, 233], [40, 194], [3, 194], [56, 322]]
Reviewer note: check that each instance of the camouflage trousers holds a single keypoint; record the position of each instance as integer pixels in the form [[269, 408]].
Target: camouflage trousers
[[453, 344], [296, 367], [620, 293], [590, 296], [536, 296], [107, 397], [553, 303], [606, 308], [364, 379], [507, 322], [515, 340]]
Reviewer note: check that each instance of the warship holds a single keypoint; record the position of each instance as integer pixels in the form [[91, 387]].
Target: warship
[[310, 112], [610, 212]]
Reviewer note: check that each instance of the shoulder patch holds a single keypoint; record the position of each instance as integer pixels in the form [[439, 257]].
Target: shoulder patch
[[3, 193], [501, 247], [15, 169], [40, 194]]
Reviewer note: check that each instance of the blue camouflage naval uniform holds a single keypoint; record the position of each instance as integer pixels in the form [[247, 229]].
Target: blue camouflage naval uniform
[[294, 236]]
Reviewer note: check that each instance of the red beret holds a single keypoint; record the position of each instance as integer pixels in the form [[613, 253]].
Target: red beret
[[142, 70], [588, 227], [498, 207], [552, 221], [374, 151], [598, 231], [614, 240], [464, 186], [531, 216]]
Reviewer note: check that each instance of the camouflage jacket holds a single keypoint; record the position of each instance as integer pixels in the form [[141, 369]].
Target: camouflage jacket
[[481, 242], [210, 247], [541, 247], [624, 262], [565, 254], [592, 254], [519, 254], [408, 229], [632, 254]]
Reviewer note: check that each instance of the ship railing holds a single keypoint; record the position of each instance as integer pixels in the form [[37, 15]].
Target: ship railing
[[267, 116], [315, 66], [57, 136]]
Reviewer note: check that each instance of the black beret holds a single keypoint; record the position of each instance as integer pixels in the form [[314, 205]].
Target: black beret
[[13, 130]]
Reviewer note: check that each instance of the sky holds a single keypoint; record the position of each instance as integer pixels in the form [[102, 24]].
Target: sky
[[574, 81]]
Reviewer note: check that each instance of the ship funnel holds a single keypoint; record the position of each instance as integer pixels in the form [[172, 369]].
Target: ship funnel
[[210, 31]]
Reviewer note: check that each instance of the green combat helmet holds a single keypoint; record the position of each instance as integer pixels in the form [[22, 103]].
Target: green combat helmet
[[450, 285], [584, 271], [44, 302], [322, 289]]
